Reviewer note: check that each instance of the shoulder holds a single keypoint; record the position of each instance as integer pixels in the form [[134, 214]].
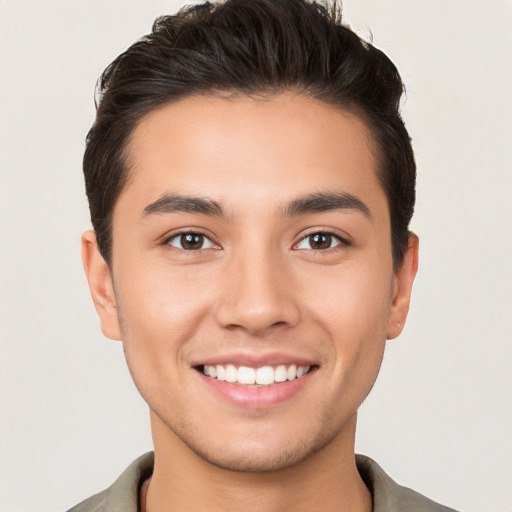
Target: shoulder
[[123, 494], [95, 503], [388, 496]]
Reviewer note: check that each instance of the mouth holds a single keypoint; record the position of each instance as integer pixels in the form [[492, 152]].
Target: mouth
[[263, 376]]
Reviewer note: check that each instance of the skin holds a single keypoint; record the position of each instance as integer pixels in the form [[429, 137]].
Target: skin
[[258, 288]]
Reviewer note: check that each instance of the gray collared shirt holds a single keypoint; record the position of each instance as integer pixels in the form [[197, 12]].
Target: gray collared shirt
[[388, 496]]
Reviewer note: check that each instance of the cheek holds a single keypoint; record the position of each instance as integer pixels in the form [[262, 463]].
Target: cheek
[[352, 306], [160, 310], [350, 297]]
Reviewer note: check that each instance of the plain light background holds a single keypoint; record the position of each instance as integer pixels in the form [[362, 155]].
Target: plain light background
[[439, 419]]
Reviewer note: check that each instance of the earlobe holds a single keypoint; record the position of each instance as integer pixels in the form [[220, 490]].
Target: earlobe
[[101, 286], [403, 281]]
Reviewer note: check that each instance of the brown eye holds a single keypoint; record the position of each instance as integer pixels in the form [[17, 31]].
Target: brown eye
[[190, 241], [319, 242]]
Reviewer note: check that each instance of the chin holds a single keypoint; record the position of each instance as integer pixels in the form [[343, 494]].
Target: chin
[[257, 454], [263, 460]]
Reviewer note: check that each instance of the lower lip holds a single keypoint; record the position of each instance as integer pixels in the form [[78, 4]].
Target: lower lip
[[257, 397]]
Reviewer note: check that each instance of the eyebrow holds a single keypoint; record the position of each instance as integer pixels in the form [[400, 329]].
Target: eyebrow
[[326, 201], [177, 203], [311, 203]]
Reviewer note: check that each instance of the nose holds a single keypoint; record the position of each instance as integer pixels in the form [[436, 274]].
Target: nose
[[257, 295]]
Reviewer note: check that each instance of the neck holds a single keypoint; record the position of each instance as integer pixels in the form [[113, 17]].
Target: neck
[[327, 480]]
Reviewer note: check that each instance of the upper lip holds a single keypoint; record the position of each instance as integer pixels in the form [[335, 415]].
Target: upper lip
[[254, 360]]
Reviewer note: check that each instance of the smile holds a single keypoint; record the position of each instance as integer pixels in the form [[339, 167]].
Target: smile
[[262, 376]]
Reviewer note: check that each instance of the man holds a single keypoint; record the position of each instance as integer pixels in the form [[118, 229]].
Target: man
[[251, 185]]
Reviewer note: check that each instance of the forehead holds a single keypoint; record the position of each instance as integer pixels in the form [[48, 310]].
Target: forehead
[[244, 149]]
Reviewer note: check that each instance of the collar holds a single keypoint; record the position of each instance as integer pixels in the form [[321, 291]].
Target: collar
[[388, 496]]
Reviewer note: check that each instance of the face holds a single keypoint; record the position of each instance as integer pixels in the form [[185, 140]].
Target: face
[[252, 278]]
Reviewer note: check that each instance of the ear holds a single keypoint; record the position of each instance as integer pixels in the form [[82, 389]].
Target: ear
[[101, 286], [402, 288]]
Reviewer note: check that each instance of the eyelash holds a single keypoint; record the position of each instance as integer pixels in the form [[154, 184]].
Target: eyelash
[[174, 236], [342, 242]]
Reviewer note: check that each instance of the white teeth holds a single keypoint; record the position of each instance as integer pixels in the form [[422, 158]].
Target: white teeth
[[280, 373], [221, 372], [246, 375], [231, 373], [301, 371], [263, 376]]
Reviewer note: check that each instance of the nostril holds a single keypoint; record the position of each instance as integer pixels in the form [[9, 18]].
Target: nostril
[[278, 324]]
